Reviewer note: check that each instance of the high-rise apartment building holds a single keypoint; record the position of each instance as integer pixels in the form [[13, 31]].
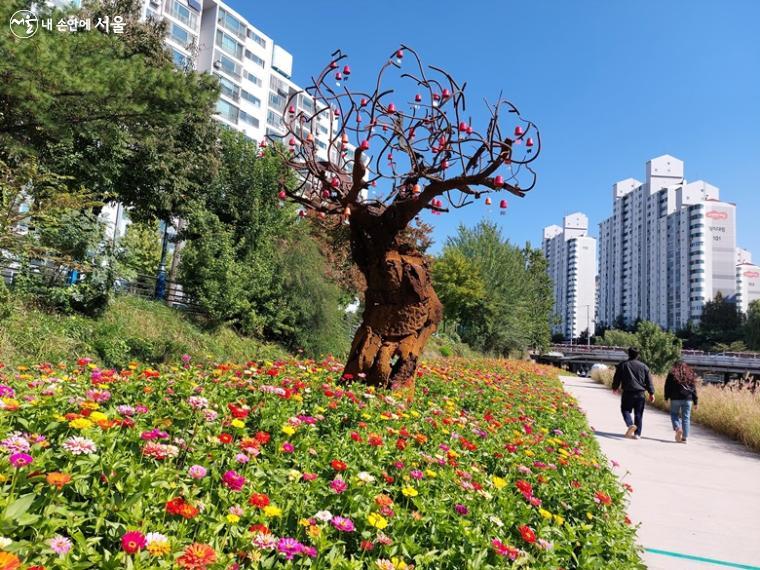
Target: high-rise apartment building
[[747, 279], [668, 247], [254, 72], [571, 256]]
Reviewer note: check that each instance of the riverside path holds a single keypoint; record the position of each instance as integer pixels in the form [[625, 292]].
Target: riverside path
[[698, 504]]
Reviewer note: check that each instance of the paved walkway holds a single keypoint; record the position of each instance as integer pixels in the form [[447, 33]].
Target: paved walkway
[[695, 501]]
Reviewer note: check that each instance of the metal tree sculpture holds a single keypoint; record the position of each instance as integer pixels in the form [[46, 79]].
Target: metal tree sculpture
[[387, 161]]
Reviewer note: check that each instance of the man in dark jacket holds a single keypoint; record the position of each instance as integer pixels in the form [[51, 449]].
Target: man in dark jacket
[[632, 377]]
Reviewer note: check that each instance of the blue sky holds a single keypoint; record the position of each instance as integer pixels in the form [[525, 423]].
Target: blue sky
[[610, 83]]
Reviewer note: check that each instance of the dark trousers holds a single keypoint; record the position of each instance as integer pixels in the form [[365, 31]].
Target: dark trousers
[[633, 402]]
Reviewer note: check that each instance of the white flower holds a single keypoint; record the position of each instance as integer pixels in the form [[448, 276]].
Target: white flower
[[324, 516], [365, 477], [152, 537], [5, 542], [496, 520]]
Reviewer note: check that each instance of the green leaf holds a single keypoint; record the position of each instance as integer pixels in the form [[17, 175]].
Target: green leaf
[[18, 507]]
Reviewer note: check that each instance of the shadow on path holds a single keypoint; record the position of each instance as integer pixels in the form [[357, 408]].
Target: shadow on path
[[612, 435]]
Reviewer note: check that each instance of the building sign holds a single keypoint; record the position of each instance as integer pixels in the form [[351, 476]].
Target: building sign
[[721, 223], [752, 274]]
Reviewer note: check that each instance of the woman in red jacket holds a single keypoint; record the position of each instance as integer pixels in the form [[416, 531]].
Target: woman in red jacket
[[681, 390]]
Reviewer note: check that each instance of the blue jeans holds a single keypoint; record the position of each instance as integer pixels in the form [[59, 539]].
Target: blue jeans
[[680, 415], [633, 402]]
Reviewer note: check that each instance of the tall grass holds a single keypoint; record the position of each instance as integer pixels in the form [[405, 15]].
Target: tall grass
[[730, 411], [130, 329]]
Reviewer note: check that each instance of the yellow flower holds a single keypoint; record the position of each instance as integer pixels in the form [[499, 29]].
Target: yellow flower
[[409, 492], [159, 548], [559, 519], [304, 523], [90, 405], [416, 414], [589, 516], [430, 473], [288, 430], [545, 514], [399, 564], [237, 423], [314, 531], [499, 482], [272, 511], [98, 416], [232, 519], [529, 453], [80, 423], [377, 520]]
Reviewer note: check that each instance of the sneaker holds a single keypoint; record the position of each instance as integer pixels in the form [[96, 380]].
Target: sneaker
[[636, 437], [630, 431], [679, 435]]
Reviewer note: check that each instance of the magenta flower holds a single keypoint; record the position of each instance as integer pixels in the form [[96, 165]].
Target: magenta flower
[[416, 474], [19, 460], [343, 524], [133, 541], [461, 509], [233, 480], [289, 547], [338, 485], [287, 447]]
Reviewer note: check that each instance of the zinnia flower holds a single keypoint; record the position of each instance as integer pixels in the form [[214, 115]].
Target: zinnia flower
[[133, 541], [197, 556], [197, 471], [19, 460], [157, 544], [527, 533], [233, 480], [377, 520], [343, 524], [9, 561], [289, 547], [57, 479], [338, 485], [259, 500], [79, 445], [60, 545]]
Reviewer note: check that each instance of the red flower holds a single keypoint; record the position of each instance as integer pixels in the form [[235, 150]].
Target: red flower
[[338, 465], [225, 438], [178, 506], [239, 411], [133, 541], [602, 498], [375, 440], [527, 533], [524, 487], [262, 437], [258, 527], [355, 436], [259, 500]]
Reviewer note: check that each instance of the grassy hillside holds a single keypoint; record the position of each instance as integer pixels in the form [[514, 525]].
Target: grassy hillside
[[131, 329]]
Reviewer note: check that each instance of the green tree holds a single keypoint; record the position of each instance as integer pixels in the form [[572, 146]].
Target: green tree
[[109, 111], [513, 312], [721, 320], [138, 252], [459, 285], [752, 327], [251, 263], [659, 349], [615, 337]]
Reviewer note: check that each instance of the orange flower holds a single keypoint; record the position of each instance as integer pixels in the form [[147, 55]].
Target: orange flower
[[58, 479], [383, 501], [9, 561], [197, 556]]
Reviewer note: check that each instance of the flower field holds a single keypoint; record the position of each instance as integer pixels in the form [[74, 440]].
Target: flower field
[[286, 465]]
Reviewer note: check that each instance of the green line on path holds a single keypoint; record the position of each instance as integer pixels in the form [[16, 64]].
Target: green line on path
[[701, 559]]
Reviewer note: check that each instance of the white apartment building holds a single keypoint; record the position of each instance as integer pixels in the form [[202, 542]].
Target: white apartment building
[[747, 279], [668, 247], [571, 256], [253, 71]]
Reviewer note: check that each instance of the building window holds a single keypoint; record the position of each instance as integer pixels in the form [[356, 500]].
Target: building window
[[257, 38], [229, 44], [228, 66], [274, 120], [276, 101], [182, 13], [278, 86], [249, 119], [180, 59], [231, 23], [181, 35], [253, 79], [255, 101], [227, 110], [228, 88], [254, 58]]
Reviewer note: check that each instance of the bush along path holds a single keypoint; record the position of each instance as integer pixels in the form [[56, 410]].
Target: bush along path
[[286, 465]]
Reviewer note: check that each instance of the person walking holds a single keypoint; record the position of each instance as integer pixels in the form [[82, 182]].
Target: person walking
[[681, 390], [633, 379]]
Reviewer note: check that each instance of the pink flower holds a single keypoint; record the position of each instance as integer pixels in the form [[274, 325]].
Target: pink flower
[[19, 460], [287, 447], [343, 524], [242, 458], [289, 547], [133, 541], [233, 480], [197, 472], [60, 545], [338, 485]]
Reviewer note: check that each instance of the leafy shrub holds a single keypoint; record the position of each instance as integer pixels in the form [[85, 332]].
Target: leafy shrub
[[5, 300]]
